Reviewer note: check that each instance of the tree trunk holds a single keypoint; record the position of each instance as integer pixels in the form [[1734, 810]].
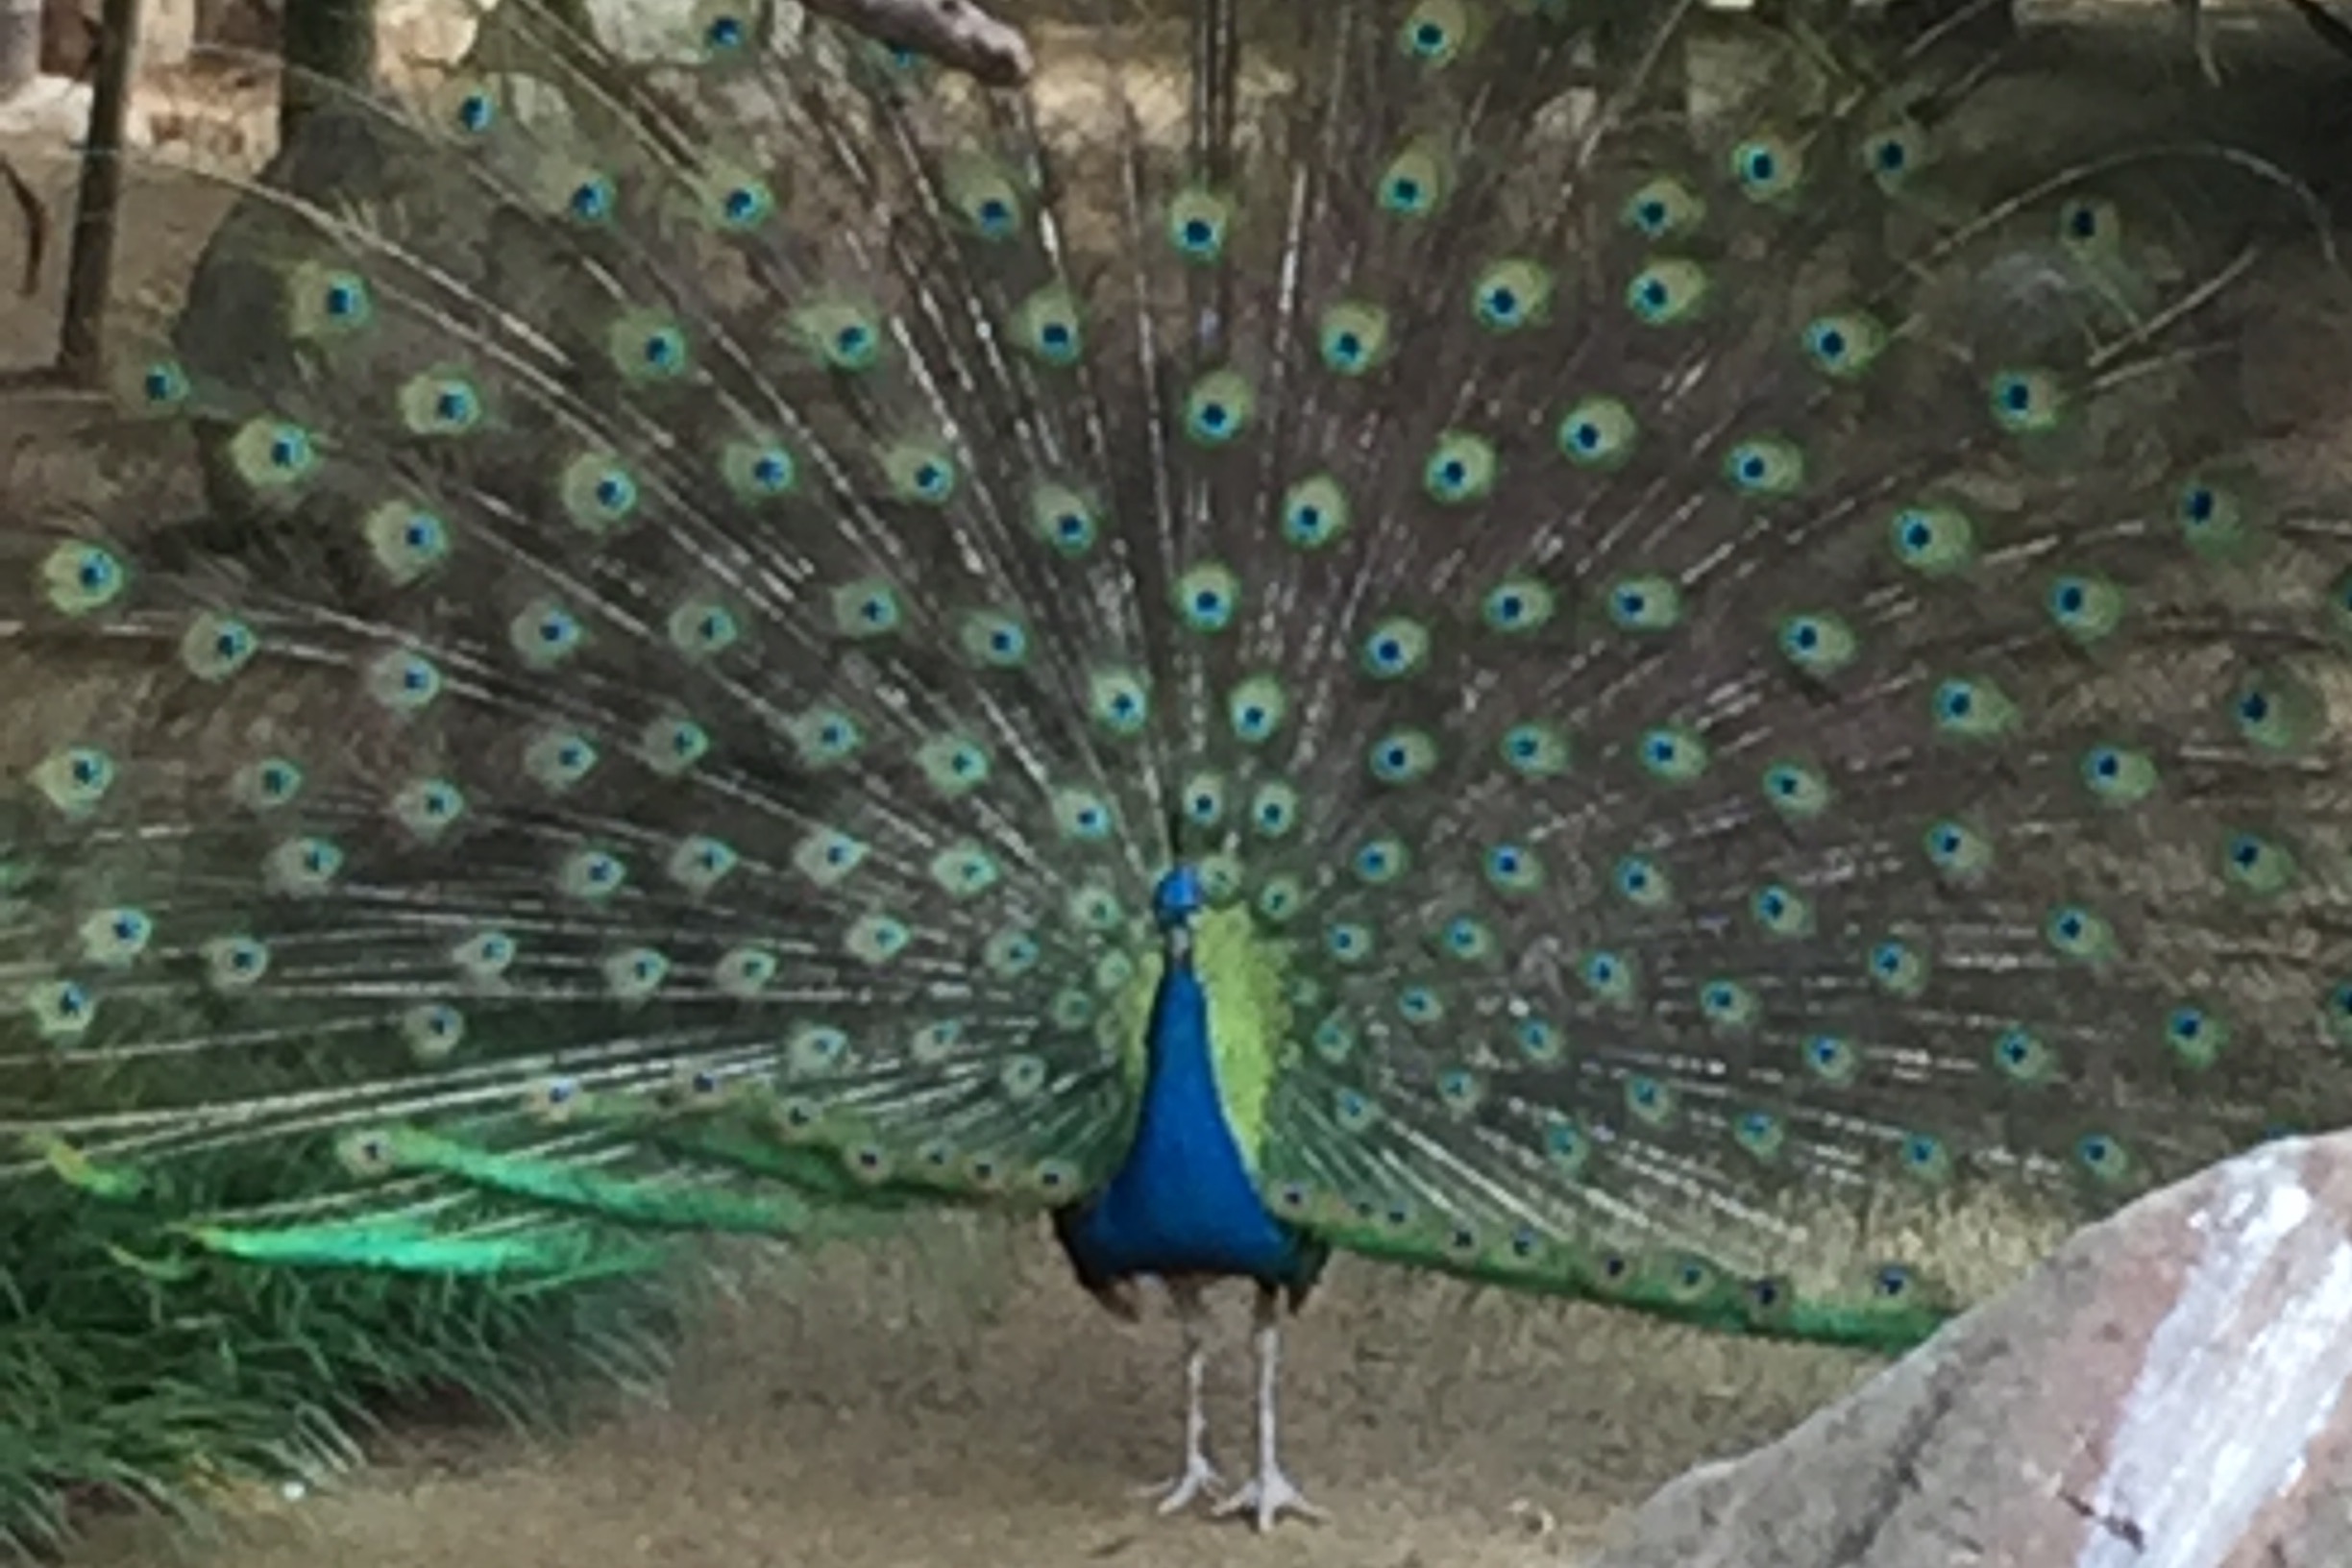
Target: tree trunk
[[329, 48]]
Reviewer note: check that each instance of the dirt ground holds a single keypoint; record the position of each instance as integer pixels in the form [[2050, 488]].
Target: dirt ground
[[952, 1399]]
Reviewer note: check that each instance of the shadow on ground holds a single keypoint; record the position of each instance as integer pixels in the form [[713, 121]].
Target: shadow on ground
[[951, 1397]]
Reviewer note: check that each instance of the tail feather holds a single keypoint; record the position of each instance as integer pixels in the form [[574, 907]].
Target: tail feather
[[1722, 656]]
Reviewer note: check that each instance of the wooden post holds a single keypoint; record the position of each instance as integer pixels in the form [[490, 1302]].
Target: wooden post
[[91, 272]]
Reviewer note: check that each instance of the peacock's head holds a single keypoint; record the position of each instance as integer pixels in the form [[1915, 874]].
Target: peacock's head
[[1179, 898]]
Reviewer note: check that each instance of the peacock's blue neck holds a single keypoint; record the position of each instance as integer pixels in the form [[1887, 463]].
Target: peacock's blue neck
[[1182, 1201]]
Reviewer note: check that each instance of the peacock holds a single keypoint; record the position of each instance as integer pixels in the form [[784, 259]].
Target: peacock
[[1598, 646]]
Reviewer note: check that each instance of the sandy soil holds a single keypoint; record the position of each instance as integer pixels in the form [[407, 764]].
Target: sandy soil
[[952, 1398]]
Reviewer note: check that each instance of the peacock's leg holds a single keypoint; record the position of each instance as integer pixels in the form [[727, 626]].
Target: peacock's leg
[[1198, 1478], [1269, 1494]]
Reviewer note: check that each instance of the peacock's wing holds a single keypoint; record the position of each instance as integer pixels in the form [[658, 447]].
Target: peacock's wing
[[1777, 737]]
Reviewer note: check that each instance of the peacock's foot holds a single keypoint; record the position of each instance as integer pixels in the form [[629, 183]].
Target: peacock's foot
[[1267, 1497], [1199, 1481]]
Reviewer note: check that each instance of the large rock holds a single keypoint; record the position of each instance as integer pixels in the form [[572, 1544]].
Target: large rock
[[2167, 1392]]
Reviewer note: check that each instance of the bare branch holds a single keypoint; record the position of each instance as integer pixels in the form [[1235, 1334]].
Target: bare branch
[[2338, 33], [37, 226], [955, 33]]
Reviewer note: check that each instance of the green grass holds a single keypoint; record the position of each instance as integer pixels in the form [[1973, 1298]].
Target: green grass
[[133, 1372]]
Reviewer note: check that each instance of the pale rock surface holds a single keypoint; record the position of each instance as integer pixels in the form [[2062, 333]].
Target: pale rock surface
[[441, 33], [2168, 1391], [53, 113]]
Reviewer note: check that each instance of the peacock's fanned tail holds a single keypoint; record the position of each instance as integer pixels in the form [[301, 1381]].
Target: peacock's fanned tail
[[1718, 644]]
